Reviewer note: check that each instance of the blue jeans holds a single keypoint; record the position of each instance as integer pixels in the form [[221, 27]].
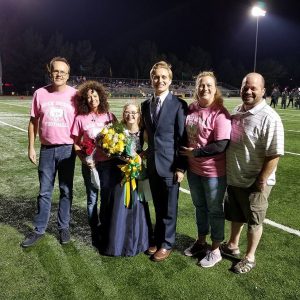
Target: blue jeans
[[91, 196], [208, 197], [55, 159], [110, 176]]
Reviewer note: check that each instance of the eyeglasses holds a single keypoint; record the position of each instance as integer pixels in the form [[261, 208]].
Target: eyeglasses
[[133, 113], [61, 73]]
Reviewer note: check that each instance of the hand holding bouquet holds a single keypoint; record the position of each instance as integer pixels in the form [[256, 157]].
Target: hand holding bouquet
[[112, 139], [88, 146]]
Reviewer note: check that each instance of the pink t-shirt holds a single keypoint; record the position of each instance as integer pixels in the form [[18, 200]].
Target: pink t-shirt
[[88, 126], [56, 113], [204, 126]]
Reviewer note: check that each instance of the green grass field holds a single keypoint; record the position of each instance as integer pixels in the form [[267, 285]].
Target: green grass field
[[76, 271]]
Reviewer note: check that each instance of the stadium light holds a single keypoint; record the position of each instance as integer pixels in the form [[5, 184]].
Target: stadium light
[[256, 12]]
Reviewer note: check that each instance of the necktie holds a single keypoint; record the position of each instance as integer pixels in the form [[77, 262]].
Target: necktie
[[156, 110]]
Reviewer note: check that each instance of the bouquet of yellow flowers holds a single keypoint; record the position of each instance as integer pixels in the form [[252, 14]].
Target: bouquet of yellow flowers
[[115, 141], [112, 139]]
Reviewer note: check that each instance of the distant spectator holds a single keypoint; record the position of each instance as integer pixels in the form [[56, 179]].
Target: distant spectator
[[284, 96], [297, 98], [291, 97], [274, 97]]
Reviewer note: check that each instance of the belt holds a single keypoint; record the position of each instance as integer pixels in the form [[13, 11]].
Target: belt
[[53, 146]]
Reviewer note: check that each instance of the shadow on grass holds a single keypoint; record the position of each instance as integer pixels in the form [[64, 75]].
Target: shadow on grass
[[184, 241], [19, 213]]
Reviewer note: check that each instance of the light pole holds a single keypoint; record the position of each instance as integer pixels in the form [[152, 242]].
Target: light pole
[[256, 12], [1, 89]]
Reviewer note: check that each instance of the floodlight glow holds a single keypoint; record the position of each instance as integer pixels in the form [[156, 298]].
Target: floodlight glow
[[258, 12]]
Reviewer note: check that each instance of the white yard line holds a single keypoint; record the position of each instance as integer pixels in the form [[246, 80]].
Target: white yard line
[[282, 227], [289, 115], [294, 130], [292, 153], [267, 221], [13, 126], [14, 115], [184, 190], [18, 105]]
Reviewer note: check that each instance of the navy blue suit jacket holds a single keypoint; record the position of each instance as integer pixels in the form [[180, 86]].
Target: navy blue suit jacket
[[165, 140]]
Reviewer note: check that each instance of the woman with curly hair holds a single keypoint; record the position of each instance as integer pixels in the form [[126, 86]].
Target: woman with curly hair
[[208, 128], [92, 115]]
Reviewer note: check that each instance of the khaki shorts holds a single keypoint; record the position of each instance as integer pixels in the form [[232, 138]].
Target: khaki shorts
[[247, 205]]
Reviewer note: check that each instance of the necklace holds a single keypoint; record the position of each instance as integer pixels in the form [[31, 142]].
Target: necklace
[[136, 133], [94, 116]]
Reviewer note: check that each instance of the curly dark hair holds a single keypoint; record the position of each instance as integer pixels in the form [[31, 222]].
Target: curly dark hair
[[82, 97]]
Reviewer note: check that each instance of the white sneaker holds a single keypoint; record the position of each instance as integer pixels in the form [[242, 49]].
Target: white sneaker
[[210, 259]]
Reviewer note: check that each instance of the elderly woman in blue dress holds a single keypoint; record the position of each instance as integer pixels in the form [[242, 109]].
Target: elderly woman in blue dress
[[130, 227]]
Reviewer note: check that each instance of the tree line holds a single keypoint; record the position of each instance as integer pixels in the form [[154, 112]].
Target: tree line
[[24, 57]]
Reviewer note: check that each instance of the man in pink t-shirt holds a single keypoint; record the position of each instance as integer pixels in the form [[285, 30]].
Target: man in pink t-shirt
[[52, 116]]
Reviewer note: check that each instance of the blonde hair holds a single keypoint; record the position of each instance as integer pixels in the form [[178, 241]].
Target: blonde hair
[[164, 65], [218, 98], [138, 107], [57, 58]]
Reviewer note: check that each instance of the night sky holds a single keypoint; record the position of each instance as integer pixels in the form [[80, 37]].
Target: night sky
[[223, 28]]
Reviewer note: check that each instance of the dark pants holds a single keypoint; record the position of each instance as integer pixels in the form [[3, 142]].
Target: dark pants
[[273, 102], [291, 101], [165, 199], [55, 159], [110, 176], [91, 197]]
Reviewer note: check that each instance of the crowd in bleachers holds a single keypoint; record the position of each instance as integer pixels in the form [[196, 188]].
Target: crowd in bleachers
[[124, 87]]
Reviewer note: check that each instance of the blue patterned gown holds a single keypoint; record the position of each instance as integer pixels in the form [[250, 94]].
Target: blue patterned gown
[[129, 228]]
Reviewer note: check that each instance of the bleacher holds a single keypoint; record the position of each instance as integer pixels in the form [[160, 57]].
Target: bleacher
[[127, 88]]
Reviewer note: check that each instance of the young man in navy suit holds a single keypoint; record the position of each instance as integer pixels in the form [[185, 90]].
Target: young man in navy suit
[[164, 121]]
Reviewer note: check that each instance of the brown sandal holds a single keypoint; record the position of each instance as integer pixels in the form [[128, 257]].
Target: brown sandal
[[226, 251], [244, 266]]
